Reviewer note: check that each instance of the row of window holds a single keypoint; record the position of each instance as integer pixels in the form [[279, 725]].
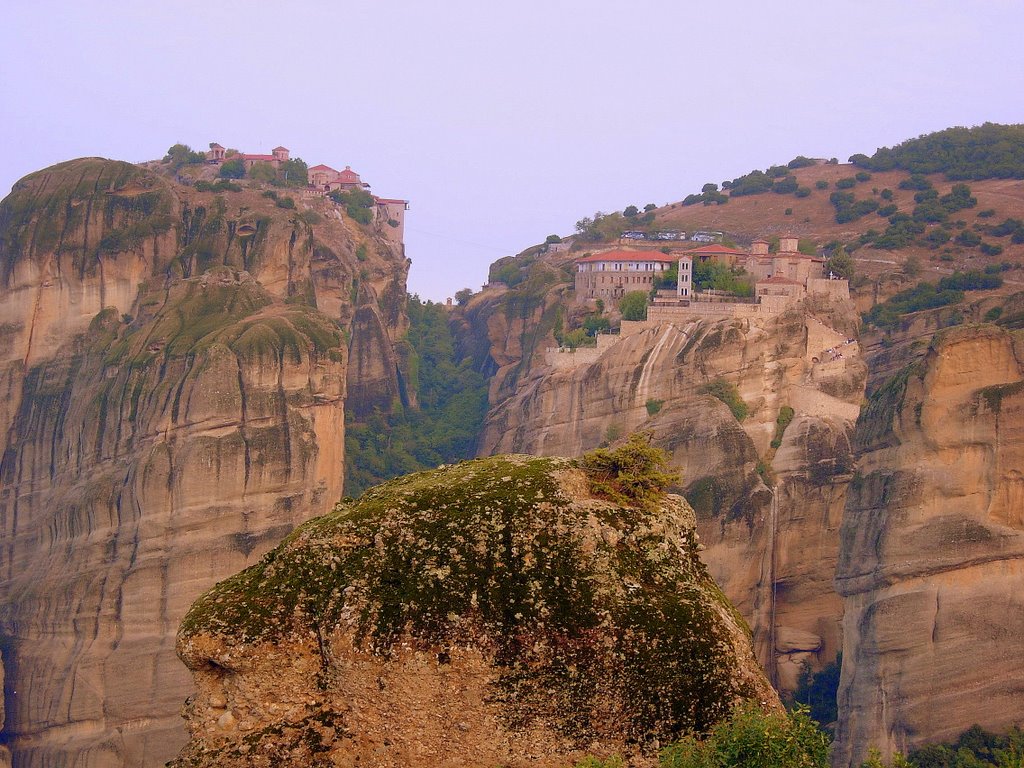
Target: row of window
[[623, 266]]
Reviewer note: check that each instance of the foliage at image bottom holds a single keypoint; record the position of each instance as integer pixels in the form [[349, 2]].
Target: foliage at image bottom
[[452, 405]]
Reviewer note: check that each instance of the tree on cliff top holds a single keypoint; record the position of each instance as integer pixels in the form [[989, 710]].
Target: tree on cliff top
[[633, 305]]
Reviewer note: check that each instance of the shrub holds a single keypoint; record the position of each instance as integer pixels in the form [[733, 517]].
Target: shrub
[[285, 202], [991, 249], [633, 474], [552, 239], [785, 186], [915, 181], [993, 314], [970, 281], [752, 183], [358, 204], [887, 210], [886, 194], [968, 239], [938, 236], [181, 154], [728, 394], [803, 192], [821, 184], [750, 738], [788, 212], [653, 406], [784, 419], [846, 183], [988, 213], [862, 176], [800, 162]]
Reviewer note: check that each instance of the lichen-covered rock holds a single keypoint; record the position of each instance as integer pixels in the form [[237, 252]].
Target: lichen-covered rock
[[488, 613]]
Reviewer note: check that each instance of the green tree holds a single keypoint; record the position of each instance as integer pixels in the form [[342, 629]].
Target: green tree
[[841, 264], [552, 239], [750, 738], [181, 154], [264, 172], [293, 173], [633, 305], [631, 211], [232, 169], [462, 297]]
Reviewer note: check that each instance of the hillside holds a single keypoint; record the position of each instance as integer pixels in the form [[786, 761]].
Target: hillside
[[770, 439]]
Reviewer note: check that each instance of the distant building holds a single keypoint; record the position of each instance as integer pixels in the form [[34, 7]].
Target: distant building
[[391, 213], [327, 179], [613, 274], [218, 155]]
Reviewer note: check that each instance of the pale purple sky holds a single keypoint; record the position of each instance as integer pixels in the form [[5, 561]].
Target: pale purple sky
[[502, 122]]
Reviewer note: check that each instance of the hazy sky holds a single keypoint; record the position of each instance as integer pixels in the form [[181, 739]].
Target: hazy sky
[[502, 122]]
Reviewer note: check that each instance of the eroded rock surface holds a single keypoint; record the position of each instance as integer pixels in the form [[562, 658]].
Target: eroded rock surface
[[769, 514], [489, 613], [932, 563], [174, 372]]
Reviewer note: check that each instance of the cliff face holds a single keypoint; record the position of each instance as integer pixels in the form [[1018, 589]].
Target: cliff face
[[175, 369], [488, 613], [932, 565], [768, 514]]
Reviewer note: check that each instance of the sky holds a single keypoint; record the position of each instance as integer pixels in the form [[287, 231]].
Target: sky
[[502, 123]]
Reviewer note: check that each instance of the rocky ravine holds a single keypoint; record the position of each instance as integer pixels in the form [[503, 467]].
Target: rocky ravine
[[932, 558], [768, 516], [175, 371], [494, 612]]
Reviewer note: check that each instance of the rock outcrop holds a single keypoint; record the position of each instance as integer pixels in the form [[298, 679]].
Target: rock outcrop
[[493, 612], [174, 374], [932, 557], [769, 496]]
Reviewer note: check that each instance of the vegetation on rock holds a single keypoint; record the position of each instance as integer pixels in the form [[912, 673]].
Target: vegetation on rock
[[982, 152], [452, 403], [633, 474], [584, 607]]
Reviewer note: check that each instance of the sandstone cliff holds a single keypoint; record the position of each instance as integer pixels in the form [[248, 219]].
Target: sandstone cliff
[[932, 557], [488, 613], [174, 371], [768, 514]]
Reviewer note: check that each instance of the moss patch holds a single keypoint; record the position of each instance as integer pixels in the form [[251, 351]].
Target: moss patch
[[597, 617]]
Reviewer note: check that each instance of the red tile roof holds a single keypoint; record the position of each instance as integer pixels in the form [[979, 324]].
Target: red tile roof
[[278, 149], [629, 256], [322, 167], [258, 157], [348, 175]]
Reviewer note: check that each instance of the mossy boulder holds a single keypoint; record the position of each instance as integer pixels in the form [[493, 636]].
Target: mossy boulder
[[497, 600]]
